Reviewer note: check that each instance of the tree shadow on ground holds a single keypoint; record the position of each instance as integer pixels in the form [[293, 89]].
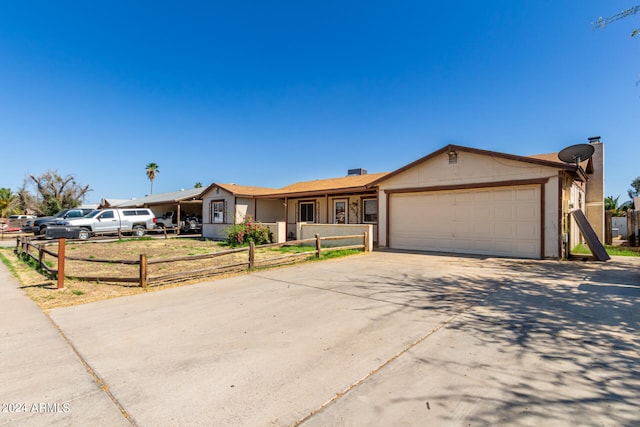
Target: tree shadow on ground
[[563, 336]]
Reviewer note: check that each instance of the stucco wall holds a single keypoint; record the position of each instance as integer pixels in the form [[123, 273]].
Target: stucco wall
[[214, 231], [308, 231], [594, 206], [211, 230], [269, 210], [244, 207]]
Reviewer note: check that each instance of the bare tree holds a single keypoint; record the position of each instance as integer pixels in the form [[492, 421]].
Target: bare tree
[[57, 192], [603, 22]]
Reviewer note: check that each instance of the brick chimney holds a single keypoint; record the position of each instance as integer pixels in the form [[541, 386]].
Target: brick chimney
[[594, 197]]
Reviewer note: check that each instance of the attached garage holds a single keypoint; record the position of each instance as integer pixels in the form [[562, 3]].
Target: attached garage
[[502, 221], [471, 201]]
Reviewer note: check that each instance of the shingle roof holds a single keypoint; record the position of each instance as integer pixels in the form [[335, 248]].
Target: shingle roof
[[328, 186], [245, 190]]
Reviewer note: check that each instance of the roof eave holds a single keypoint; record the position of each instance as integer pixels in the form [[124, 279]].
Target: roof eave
[[310, 193]]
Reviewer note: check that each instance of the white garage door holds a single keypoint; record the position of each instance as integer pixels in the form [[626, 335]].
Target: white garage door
[[502, 221]]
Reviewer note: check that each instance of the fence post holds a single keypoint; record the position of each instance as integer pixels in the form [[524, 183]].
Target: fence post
[[143, 270], [632, 226], [318, 245], [608, 227], [61, 249], [40, 256], [252, 255], [365, 240]]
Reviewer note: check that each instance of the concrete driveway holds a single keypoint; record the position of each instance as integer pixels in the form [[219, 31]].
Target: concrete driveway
[[380, 339]]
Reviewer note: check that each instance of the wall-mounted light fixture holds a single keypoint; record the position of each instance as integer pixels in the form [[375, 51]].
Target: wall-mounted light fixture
[[453, 157]]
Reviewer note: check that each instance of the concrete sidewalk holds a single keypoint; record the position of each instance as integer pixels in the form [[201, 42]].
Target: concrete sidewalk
[[42, 379]]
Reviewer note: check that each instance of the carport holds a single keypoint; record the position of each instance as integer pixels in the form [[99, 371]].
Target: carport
[[185, 203]]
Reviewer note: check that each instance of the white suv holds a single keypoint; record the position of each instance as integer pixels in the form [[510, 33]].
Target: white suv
[[109, 221]]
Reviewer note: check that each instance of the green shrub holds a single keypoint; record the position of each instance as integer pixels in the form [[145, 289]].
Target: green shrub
[[248, 231]]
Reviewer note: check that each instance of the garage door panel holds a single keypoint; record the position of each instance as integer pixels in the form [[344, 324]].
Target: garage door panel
[[527, 212], [503, 195], [502, 221], [528, 194], [527, 231], [505, 230], [503, 213], [481, 196], [462, 213]]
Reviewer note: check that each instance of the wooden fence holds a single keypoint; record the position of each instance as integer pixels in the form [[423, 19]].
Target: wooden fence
[[37, 251], [633, 228]]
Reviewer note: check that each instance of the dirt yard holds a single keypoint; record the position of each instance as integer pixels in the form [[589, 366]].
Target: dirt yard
[[44, 292]]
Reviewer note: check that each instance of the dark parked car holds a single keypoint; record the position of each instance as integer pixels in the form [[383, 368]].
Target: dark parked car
[[38, 226]]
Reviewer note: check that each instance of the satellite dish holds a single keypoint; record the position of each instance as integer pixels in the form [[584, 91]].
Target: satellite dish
[[576, 153]]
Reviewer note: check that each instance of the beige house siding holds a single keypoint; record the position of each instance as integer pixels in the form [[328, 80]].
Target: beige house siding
[[594, 202], [472, 170], [210, 229], [269, 211]]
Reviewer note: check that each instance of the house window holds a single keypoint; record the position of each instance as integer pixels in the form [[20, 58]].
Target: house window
[[340, 212], [307, 211], [369, 210], [217, 212]]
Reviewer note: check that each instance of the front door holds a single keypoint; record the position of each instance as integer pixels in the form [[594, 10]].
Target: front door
[[340, 212]]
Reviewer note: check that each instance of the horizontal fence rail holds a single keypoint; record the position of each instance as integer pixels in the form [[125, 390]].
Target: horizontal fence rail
[[36, 251]]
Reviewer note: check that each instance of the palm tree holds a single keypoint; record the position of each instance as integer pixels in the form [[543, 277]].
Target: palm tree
[[152, 170], [6, 200]]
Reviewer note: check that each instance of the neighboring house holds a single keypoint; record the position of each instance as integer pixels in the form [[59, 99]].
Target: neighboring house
[[185, 203], [110, 203], [456, 200]]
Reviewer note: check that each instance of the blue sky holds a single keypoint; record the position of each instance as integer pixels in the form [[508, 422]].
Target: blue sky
[[270, 93]]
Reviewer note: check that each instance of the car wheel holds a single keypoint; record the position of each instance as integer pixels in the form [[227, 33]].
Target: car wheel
[[42, 231], [84, 234], [138, 231]]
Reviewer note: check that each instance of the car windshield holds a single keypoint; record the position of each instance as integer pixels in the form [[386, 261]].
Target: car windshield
[[92, 213], [61, 213]]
